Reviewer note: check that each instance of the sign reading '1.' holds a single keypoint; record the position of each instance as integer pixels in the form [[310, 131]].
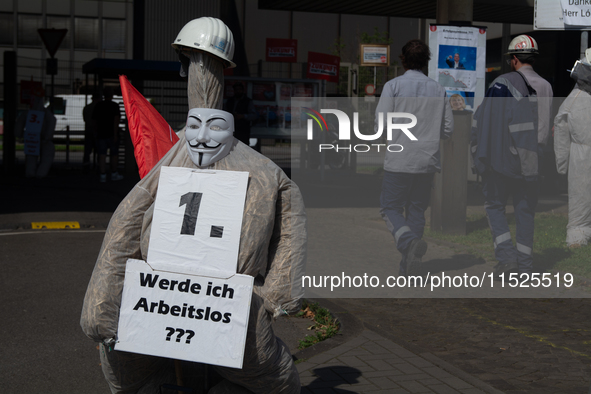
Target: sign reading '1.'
[[197, 221]]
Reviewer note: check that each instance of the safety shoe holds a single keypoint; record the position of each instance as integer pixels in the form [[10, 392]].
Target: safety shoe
[[116, 177], [402, 269], [416, 251], [103, 178]]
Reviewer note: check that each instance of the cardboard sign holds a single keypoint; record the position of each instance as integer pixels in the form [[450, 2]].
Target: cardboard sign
[[197, 221], [561, 15], [184, 317], [33, 132], [281, 50], [323, 66], [576, 13]]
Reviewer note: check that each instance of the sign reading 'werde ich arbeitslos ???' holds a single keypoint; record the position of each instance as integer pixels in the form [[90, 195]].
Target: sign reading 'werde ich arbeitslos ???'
[[184, 317]]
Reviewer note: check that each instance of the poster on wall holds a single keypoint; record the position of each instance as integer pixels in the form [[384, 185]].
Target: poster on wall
[[281, 50], [458, 59], [323, 66]]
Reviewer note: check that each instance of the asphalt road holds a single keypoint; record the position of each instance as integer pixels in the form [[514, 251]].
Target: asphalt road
[[43, 281]]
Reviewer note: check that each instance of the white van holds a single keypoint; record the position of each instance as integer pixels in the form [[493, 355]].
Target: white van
[[70, 114]]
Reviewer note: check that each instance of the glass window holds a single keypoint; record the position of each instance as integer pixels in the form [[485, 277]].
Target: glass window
[[6, 29], [86, 33], [28, 24], [114, 35]]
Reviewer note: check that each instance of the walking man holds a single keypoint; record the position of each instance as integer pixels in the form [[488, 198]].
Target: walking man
[[504, 143], [408, 174]]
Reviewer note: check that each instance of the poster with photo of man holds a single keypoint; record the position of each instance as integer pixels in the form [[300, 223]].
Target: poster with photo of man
[[458, 58]]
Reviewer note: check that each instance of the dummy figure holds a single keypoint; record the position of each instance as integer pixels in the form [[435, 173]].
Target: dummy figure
[[38, 165], [272, 241], [572, 145]]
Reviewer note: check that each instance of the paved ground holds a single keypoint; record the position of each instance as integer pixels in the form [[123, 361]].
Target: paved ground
[[406, 345]]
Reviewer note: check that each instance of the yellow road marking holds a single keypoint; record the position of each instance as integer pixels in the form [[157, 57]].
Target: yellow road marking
[[54, 225], [538, 338]]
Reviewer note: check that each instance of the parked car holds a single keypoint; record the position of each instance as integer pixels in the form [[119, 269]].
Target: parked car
[[68, 113]]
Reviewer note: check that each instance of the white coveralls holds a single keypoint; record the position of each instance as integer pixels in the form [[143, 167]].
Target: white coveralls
[[572, 146], [272, 249]]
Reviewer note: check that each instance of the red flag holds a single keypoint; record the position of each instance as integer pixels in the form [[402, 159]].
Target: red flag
[[151, 135]]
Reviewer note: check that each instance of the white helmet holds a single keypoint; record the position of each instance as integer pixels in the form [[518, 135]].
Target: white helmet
[[523, 44], [209, 35]]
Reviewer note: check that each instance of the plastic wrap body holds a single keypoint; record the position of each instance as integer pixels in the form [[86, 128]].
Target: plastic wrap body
[[272, 244], [572, 146]]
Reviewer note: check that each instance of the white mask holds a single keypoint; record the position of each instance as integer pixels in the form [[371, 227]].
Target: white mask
[[209, 135]]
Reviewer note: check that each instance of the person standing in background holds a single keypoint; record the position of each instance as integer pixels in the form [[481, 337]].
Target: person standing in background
[[90, 129], [107, 115], [244, 113]]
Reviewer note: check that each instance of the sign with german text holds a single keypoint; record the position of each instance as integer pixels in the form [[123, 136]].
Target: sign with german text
[[33, 132], [197, 221], [282, 50], [184, 317], [458, 60], [562, 15], [323, 66], [375, 55]]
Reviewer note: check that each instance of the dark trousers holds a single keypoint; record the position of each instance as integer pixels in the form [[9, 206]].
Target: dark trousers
[[497, 188], [404, 199]]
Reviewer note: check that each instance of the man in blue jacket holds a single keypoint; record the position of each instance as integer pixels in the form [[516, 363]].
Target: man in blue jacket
[[504, 146]]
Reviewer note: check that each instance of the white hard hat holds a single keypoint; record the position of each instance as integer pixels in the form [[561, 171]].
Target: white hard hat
[[523, 44], [209, 35]]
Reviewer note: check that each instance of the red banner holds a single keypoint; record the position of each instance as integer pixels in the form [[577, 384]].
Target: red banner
[[323, 66], [281, 50], [151, 135]]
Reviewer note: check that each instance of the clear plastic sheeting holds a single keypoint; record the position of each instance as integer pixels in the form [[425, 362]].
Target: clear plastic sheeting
[[572, 146], [206, 80], [272, 249]]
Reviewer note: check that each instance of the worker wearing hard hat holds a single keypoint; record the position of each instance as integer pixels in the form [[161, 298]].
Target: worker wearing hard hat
[[572, 145], [505, 145], [522, 53]]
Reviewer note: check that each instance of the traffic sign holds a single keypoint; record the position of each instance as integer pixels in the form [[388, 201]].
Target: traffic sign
[[52, 38], [370, 89]]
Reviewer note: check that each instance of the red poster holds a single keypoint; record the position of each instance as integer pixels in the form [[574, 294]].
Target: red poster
[[323, 66], [282, 50], [30, 89]]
